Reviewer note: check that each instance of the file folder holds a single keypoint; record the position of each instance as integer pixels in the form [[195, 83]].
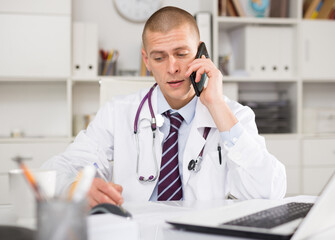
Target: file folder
[[263, 51], [204, 22], [78, 49], [85, 50]]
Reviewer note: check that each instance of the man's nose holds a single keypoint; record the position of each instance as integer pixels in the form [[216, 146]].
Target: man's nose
[[173, 65]]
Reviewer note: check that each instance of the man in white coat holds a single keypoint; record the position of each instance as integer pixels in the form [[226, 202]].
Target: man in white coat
[[235, 161]]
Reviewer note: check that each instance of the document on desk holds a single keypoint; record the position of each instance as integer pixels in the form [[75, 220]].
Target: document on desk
[[148, 221], [110, 226]]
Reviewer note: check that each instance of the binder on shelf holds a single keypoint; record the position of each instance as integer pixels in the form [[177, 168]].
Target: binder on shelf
[[78, 47], [332, 14], [317, 10], [310, 7], [204, 21], [85, 50], [91, 50], [231, 11], [238, 8], [279, 9], [222, 7], [286, 50], [272, 58], [326, 8]]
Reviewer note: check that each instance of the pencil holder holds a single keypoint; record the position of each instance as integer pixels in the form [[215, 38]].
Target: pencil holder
[[58, 219]]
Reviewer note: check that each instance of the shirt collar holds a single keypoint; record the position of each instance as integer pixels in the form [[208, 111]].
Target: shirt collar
[[187, 112]]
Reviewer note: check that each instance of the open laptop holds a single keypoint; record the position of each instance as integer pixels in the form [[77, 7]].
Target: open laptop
[[265, 219]]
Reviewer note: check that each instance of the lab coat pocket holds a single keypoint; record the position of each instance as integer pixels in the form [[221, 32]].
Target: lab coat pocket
[[208, 183]]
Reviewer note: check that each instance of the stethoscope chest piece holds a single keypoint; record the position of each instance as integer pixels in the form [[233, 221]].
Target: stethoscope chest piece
[[159, 120], [194, 165]]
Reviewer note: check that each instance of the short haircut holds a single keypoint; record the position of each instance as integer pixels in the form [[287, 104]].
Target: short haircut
[[168, 18]]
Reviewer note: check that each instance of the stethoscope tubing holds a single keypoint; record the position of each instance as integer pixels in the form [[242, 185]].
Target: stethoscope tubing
[[151, 178], [153, 119]]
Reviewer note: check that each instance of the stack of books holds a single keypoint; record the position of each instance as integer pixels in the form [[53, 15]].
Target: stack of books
[[247, 8]]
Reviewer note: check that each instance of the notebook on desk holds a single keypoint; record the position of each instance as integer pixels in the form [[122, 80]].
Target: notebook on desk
[[266, 219]]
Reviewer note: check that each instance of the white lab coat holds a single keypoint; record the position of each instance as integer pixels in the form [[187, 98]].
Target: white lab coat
[[247, 170]]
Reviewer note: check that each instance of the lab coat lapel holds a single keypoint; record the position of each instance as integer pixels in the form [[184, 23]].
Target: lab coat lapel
[[195, 142]]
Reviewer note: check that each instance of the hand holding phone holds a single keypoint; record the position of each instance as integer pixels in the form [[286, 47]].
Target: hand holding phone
[[199, 85]]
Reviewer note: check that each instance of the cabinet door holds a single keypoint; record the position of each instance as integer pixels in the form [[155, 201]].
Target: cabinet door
[[293, 175], [35, 45], [315, 179], [4, 188], [318, 49], [36, 6], [319, 152], [38, 152], [286, 151]]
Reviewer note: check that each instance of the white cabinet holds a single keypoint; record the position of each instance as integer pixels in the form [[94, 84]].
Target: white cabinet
[[318, 49], [37, 150], [293, 177], [35, 100], [319, 152], [34, 45], [318, 163], [36, 6], [287, 150], [35, 109], [315, 178]]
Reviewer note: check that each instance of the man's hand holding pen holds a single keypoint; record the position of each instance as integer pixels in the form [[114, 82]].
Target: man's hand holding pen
[[104, 192]]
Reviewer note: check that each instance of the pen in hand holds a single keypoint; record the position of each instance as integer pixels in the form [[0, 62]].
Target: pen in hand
[[99, 172], [125, 212]]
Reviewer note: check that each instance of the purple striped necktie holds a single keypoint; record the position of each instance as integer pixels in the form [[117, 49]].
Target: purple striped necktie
[[169, 182]]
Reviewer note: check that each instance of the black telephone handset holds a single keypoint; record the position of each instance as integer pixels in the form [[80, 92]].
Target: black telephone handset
[[200, 85]]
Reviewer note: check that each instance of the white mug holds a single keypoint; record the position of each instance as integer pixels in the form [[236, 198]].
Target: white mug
[[21, 194]]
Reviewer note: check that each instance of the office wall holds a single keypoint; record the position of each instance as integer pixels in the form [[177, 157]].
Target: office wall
[[118, 33]]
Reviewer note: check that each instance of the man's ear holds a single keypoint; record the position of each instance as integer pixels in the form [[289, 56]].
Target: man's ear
[[145, 59]]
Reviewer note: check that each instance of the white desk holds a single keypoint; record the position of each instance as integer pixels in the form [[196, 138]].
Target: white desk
[[148, 221]]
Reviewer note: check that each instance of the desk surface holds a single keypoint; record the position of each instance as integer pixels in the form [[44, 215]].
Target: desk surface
[[148, 221]]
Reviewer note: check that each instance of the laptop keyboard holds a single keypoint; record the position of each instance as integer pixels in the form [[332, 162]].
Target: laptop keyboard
[[273, 217]]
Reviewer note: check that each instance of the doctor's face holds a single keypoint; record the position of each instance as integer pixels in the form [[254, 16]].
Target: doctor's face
[[167, 55]]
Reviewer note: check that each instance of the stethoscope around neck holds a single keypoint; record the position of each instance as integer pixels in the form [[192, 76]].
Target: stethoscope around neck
[[194, 165]]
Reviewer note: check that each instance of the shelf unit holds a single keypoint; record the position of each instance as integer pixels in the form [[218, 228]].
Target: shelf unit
[[311, 89], [49, 108]]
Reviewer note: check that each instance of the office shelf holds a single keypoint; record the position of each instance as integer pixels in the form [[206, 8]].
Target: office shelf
[[48, 104]]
